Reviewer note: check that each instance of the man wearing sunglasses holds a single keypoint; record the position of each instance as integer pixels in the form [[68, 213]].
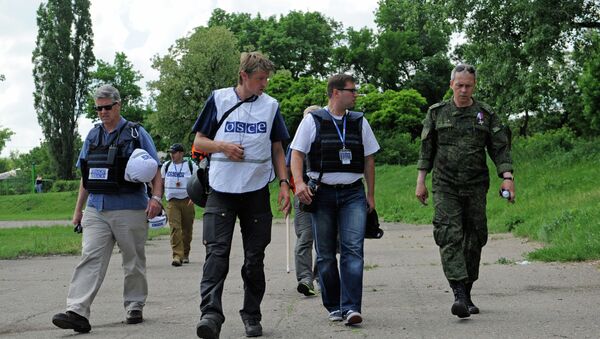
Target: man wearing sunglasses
[[340, 146], [456, 134], [117, 211]]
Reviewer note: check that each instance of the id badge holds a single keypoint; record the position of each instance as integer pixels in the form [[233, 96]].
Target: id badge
[[98, 174], [345, 156]]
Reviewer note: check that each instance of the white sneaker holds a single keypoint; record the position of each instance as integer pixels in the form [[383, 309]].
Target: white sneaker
[[335, 316], [353, 318]]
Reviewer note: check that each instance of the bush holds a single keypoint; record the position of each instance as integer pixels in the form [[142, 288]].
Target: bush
[[544, 145], [65, 186], [397, 149]]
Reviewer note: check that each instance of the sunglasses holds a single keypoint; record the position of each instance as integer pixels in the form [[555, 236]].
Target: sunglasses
[[106, 107], [468, 68], [353, 90]]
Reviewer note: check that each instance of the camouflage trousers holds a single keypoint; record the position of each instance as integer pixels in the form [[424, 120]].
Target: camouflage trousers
[[460, 230]]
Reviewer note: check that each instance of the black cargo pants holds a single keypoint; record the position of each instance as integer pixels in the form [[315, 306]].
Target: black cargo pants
[[220, 213]]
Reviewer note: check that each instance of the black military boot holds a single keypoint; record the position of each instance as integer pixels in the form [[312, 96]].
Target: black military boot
[[472, 308], [459, 308]]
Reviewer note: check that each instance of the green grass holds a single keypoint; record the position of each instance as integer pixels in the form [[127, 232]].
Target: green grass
[[46, 206], [35, 241], [44, 241]]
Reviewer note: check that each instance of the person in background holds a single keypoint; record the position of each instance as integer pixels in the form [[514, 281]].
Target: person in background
[[175, 174], [305, 274], [38, 184]]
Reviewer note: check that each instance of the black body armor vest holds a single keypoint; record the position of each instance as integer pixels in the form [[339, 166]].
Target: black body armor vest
[[103, 170], [324, 151]]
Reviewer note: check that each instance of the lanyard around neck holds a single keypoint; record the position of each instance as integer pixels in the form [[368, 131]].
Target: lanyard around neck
[[180, 169], [342, 135]]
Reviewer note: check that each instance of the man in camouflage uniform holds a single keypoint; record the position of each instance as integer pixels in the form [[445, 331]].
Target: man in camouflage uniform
[[455, 135]]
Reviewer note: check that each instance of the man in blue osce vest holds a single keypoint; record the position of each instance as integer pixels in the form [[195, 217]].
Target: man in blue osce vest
[[245, 150], [340, 147], [117, 211]]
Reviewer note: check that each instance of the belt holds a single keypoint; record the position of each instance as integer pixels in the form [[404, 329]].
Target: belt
[[180, 199], [357, 183]]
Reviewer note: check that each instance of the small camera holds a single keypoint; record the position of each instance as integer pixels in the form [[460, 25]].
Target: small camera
[[313, 186]]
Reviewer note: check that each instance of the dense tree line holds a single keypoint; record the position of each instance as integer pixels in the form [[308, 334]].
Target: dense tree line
[[538, 65]]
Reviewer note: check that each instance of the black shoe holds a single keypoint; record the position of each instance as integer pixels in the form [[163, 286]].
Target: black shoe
[[134, 317], [253, 328], [73, 321], [459, 308], [176, 262], [207, 328], [472, 308], [306, 288]]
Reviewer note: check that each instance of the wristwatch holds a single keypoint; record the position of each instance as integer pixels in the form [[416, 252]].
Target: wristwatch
[[509, 178], [157, 198], [287, 181]]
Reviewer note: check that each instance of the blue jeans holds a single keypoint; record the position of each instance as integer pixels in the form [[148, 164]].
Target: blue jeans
[[342, 210]]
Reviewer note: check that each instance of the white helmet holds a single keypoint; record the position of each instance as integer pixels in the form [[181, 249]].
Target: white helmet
[[158, 221], [141, 167]]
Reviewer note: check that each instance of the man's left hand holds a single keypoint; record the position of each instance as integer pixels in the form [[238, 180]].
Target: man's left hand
[[509, 185], [284, 198]]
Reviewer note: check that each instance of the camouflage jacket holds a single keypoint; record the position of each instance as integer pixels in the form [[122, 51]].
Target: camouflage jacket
[[454, 140]]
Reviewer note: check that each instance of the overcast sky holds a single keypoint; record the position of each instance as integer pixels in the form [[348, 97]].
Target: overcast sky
[[141, 29]]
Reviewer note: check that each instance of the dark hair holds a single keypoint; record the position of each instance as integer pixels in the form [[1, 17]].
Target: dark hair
[[338, 81], [460, 68]]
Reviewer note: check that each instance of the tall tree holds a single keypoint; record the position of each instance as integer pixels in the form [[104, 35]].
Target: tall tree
[[206, 60], [414, 41], [5, 135], [300, 42], [61, 62], [357, 53], [124, 78]]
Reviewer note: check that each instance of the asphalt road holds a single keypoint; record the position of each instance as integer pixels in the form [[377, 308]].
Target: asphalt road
[[405, 294]]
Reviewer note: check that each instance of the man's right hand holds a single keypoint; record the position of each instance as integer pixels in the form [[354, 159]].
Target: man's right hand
[[303, 193], [233, 151], [421, 193]]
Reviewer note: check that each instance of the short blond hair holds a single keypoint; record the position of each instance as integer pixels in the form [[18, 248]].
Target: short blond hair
[[251, 62]]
